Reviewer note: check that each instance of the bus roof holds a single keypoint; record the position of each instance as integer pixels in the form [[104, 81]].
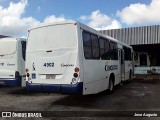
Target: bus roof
[[53, 23], [85, 27], [101, 34], [12, 39]]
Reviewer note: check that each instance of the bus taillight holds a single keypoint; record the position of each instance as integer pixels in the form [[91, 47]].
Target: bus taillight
[[76, 69], [75, 75]]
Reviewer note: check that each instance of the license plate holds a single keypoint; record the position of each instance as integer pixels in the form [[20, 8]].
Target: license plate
[[2, 83], [50, 76]]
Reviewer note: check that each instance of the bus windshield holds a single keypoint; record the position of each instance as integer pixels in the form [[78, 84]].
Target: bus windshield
[[61, 36]]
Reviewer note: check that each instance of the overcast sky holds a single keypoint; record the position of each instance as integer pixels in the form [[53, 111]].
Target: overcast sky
[[17, 16]]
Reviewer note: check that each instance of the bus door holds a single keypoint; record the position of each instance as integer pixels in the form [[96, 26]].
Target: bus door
[[122, 65]]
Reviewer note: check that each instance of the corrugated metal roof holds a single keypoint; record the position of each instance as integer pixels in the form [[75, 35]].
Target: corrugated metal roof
[[3, 36], [136, 35]]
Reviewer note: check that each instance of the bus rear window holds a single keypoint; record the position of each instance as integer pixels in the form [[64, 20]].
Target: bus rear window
[[53, 37], [7, 47]]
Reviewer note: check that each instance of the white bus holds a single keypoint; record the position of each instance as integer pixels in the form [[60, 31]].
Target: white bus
[[12, 61], [70, 57]]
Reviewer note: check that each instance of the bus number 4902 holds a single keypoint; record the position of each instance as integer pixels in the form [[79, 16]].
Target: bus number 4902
[[48, 64]]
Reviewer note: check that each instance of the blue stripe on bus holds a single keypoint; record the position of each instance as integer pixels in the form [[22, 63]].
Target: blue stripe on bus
[[63, 88], [11, 82]]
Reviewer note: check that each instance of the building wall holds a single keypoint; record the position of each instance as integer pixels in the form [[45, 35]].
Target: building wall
[[3, 36], [136, 35]]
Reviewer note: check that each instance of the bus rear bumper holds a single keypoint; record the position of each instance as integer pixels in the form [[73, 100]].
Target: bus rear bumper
[[61, 88], [11, 82]]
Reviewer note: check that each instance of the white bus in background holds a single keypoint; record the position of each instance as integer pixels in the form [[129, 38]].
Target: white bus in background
[[12, 61], [70, 57]]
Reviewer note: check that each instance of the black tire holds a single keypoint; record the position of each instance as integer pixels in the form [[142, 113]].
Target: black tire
[[111, 86]]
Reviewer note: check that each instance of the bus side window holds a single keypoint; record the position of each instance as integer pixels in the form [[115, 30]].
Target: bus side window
[[104, 49], [23, 49], [87, 45], [107, 49], [95, 47], [113, 51], [127, 53]]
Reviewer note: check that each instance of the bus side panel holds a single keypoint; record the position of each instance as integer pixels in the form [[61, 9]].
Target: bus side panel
[[106, 72], [80, 55], [21, 64], [91, 88], [96, 76], [9, 65], [92, 76], [128, 67], [104, 75], [116, 72]]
